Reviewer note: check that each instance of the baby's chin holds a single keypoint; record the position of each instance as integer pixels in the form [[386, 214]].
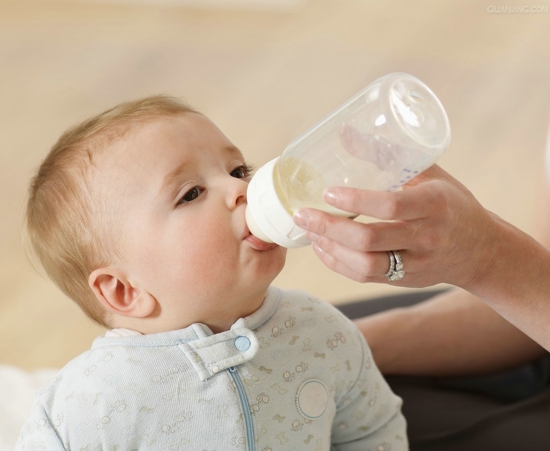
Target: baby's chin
[[268, 263]]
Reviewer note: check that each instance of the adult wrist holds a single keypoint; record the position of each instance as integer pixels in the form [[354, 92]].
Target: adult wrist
[[487, 251], [513, 264]]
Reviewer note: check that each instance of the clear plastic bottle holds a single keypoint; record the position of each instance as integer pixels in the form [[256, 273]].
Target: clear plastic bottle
[[379, 139]]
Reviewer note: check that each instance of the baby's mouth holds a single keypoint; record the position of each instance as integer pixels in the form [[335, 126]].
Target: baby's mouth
[[259, 244]]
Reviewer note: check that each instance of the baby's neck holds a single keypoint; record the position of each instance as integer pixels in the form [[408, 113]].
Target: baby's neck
[[117, 333], [219, 317]]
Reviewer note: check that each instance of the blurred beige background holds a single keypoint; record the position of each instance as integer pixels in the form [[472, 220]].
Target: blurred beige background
[[264, 71]]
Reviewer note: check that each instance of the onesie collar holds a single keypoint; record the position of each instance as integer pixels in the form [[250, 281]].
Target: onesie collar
[[207, 352]]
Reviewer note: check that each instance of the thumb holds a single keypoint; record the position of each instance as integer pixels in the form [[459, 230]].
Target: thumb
[[434, 172]]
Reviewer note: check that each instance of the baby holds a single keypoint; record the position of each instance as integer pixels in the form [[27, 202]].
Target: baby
[[138, 216]]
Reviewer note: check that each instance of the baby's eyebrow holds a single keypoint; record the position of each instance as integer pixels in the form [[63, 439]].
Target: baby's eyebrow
[[233, 150], [172, 177]]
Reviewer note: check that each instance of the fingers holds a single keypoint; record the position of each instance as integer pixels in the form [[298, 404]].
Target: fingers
[[412, 203], [357, 250], [357, 266], [418, 199], [373, 237], [361, 267]]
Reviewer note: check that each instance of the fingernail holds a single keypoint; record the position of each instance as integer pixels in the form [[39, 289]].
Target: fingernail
[[317, 249], [301, 218], [330, 196]]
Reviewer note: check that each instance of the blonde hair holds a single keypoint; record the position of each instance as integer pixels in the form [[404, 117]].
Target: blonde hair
[[63, 226]]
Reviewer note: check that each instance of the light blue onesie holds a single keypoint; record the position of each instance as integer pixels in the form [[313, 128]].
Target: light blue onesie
[[295, 375]]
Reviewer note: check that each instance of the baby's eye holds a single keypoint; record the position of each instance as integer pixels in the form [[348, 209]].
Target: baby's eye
[[191, 195], [242, 171]]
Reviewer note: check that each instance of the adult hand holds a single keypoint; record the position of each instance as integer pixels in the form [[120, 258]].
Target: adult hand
[[442, 232]]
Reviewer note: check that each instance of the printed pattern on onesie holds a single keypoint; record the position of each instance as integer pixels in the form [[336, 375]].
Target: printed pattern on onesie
[[295, 375], [317, 382]]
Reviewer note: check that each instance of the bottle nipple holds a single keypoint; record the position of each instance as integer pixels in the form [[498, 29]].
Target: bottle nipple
[[253, 227]]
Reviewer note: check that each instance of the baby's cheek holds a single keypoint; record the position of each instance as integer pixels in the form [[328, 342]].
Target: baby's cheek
[[211, 250]]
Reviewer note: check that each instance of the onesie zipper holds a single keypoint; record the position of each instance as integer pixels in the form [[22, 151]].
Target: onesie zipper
[[246, 409]]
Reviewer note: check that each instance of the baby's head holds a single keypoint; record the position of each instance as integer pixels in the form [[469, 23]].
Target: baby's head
[[138, 215]]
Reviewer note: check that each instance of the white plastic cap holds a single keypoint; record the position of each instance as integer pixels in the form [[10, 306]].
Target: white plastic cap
[[266, 216]]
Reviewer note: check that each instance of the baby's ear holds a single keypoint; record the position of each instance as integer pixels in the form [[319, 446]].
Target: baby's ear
[[118, 295]]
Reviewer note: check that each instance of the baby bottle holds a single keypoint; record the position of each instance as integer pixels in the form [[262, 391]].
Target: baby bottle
[[379, 139]]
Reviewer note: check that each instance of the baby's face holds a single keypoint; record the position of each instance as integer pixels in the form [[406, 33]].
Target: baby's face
[[185, 241]]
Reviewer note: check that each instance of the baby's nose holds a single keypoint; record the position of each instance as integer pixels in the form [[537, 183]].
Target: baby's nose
[[237, 193]]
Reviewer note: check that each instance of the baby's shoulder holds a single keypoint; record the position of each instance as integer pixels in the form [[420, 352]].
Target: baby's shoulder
[[71, 376], [316, 319], [306, 304]]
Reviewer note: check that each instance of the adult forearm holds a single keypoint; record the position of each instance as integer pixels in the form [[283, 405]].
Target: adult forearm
[[515, 281], [452, 334]]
